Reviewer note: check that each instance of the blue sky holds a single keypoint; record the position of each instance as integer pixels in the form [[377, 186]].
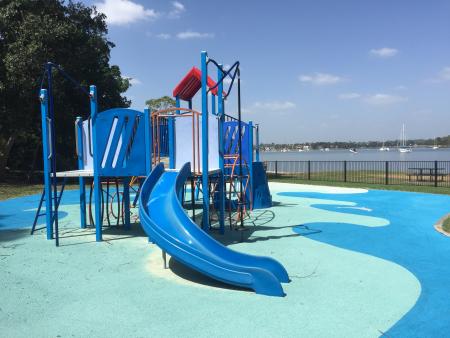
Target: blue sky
[[311, 70]]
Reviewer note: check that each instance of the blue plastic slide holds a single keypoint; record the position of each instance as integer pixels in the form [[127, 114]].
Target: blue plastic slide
[[166, 223]]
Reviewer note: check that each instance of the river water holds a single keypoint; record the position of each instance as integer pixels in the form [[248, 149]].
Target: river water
[[417, 154]]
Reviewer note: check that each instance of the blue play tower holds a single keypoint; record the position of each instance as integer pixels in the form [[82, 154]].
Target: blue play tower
[[208, 148]]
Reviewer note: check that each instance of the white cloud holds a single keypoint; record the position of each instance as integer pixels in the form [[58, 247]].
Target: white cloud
[[164, 36], [442, 76], [123, 12], [384, 52], [321, 79], [384, 99], [177, 9], [133, 80], [194, 35], [273, 105], [349, 96], [445, 74]]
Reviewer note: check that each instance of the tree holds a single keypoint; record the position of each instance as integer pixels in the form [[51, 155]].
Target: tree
[[71, 34], [160, 103]]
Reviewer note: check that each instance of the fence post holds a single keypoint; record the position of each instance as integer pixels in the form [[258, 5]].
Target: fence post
[[435, 173], [386, 179], [345, 171], [309, 170], [276, 168]]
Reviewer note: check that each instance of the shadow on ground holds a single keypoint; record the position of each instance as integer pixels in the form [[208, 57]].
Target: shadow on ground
[[12, 235], [194, 276], [255, 223], [77, 236]]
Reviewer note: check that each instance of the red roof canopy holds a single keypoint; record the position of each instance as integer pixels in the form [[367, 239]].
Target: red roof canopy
[[190, 85]]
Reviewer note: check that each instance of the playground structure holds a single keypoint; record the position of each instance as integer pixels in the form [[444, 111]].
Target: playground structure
[[121, 145]]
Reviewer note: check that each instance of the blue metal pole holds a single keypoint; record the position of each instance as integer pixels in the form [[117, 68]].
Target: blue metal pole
[[126, 201], [172, 137], [46, 152], [205, 147], [148, 141], [171, 142], [97, 159], [257, 142], [80, 155], [221, 202], [220, 112], [52, 133], [177, 104], [213, 104], [250, 160], [250, 141]]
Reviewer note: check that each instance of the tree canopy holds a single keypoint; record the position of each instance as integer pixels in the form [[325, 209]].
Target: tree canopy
[[70, 34], [160, 103]]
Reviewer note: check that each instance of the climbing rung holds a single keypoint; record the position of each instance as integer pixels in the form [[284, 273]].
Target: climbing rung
[[55, 205]]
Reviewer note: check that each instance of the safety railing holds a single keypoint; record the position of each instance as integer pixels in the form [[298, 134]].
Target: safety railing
[[417, 173]]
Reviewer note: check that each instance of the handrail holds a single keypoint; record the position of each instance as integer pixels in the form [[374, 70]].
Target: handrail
[[77, 151], [167, 110], [49, 137], [67, 76], [225, 74]]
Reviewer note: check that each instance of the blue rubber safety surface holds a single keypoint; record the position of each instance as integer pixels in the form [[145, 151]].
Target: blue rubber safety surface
[[410, 240], [18, 213]]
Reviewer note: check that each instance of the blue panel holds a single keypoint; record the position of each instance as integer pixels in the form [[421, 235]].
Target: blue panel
[[130, 154], [260, 187], [231, 141]]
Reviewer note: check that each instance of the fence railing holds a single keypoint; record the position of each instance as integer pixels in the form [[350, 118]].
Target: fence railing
[[422, 173]]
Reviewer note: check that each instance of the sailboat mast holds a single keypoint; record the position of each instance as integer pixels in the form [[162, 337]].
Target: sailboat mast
[[403, 136]]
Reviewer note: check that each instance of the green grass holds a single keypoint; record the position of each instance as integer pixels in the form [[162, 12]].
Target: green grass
[[15, 190], [446, 225], [8, 190], [398, 187]]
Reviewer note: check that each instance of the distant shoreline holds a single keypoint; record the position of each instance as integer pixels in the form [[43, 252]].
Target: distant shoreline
[[392, 148]]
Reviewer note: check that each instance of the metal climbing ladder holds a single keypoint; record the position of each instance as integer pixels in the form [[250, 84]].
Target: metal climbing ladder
[[54, 205]]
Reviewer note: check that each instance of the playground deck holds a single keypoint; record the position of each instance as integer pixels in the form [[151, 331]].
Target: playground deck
[[362, 264]]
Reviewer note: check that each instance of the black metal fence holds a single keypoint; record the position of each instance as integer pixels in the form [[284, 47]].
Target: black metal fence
[[420, 173]]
